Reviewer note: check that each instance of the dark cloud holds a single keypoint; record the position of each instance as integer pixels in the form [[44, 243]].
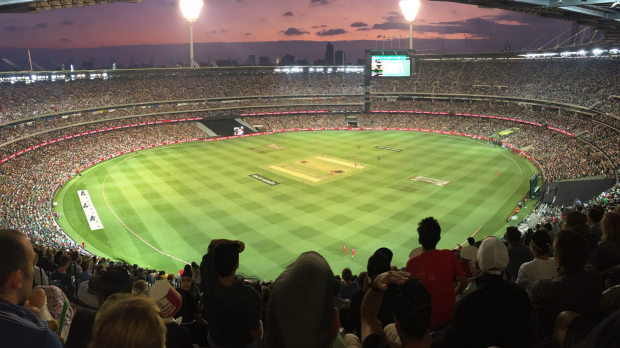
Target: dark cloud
[[318, 26], [391, 26], [320, 2], [331, 32], [224, 31], [13, 28], [293, 32], [363, 29], [288, 14], [248, 34], [66, 22], [359, 24], [41, 25], [64, 40]]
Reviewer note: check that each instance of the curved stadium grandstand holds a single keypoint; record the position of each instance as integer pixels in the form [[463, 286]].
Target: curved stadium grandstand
[[477, 191]]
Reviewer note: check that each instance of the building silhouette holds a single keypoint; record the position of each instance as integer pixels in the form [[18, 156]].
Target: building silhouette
[[329, 54], [340, 58]]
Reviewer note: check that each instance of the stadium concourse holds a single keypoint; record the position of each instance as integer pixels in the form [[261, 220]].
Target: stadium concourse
[[564, 113]]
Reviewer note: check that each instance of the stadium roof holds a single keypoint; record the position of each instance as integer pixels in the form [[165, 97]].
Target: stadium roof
[[598, 14], [25, 6]]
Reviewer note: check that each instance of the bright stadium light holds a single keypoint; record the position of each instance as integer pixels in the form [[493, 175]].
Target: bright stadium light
[[191, 10], [410, 11]]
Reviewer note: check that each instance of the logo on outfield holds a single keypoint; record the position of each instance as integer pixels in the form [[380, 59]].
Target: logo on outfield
[[276, 147], [431, 181], [387, 148], [265, 180]]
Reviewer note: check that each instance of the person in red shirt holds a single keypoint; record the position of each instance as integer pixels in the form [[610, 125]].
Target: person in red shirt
[[437, 270]]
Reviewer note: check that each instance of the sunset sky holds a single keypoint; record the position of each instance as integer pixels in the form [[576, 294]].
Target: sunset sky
[[157, 22]]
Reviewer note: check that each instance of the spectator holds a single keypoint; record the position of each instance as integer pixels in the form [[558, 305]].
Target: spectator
[[412, 313], [300, 311], [576, 221], [577, 287], [595, 215], [114, 280], [437, 270], [86, 274], [20, 327], [609, 247], [63, 275], [128, 322], [196, 274], [347, 287], [40, 278], [543, 266], [232, 308], [497, 313], [518, 253]]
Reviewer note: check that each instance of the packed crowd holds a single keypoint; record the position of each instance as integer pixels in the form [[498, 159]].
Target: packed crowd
[[27, 182], [552, 286], [16, 131], [583, 82], [26, 100]]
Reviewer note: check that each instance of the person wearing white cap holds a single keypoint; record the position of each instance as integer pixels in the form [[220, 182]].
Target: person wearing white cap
[[497, 313]]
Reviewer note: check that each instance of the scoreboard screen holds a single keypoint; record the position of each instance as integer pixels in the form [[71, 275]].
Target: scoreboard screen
[[391, 66]]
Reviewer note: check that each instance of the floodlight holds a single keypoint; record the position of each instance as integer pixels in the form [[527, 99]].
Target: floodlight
[[191, 9], [410, 9]]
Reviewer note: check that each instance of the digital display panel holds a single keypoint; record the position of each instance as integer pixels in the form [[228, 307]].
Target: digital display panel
[[391, 66], [238, 130]]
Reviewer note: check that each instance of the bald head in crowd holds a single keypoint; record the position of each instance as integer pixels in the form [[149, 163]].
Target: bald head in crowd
[[17, 260]]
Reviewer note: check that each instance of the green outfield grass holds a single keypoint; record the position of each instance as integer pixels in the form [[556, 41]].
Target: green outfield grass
[[179, 198]]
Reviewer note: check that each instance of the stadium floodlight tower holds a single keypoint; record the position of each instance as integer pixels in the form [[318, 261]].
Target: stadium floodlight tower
[[410, 11], [191, 10]]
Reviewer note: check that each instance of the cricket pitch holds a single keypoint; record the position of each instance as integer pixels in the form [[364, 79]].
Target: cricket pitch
[[318, 169]]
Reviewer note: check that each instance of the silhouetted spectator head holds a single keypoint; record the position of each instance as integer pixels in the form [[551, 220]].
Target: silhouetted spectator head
[[361, 280], [226, 259], [513, 235], [576, 221], [113, 281], [75, 256], [541, 243], [412, 307], [64, 261], [300, 311], [595, 214], [347, 274], [429, 233], [379, 262], [186, 278], [571, 250], [611, 227], [471, 241], [492, 256], [128, 322], [17, 260], [85, 265]]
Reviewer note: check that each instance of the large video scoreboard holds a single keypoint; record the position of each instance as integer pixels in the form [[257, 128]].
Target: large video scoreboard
[[390, 65]]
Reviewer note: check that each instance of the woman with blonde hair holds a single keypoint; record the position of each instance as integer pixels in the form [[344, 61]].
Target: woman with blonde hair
[[128, 322], [609, 247]]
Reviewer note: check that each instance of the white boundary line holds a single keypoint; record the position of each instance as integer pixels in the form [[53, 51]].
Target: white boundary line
[[121, 221]]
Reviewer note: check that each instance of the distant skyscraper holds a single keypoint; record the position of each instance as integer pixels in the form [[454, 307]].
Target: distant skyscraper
[[288, 60], [251, 60], [340, 58], [329, 54], [318, 62], [361, 61], [264, 61], [277, 60]]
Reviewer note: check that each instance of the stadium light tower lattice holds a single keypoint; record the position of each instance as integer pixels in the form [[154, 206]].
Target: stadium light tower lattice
[[410, 11], [191, 10]]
